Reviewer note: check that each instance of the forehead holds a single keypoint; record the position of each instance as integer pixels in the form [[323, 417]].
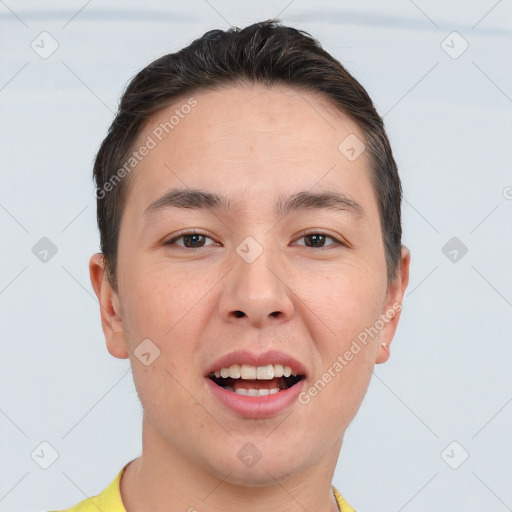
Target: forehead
[[249, 141]]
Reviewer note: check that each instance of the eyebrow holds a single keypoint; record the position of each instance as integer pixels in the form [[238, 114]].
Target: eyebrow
[[318, 201], [202, 200]]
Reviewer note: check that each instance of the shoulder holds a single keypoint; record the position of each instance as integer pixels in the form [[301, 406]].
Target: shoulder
[[109, 500], [342, 503]]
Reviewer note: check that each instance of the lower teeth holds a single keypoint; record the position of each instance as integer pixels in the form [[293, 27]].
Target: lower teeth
[[252, 392]]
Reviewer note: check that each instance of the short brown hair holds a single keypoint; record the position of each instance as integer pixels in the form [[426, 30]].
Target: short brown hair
[[265, 53]]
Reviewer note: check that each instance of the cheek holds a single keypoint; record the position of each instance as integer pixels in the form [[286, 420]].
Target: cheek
[[166, 309], [171, 309], [342, 311], [344, 302], [160, 301], [164, 395]]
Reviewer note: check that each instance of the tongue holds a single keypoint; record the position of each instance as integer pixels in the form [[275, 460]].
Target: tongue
[[256, 384]]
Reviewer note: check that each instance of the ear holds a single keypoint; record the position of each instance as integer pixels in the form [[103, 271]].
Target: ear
[[110, 309], [393, 306]]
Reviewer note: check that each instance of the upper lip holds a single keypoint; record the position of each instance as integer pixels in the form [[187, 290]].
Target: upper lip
[[246, 357]]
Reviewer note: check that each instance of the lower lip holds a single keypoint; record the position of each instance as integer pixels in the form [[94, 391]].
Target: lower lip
[[256, 407]]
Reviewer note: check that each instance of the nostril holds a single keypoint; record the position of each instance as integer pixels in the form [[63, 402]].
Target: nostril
[[239, 314]]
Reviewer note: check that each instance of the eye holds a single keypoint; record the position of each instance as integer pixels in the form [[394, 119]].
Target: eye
[[318, 240], [191, 240]]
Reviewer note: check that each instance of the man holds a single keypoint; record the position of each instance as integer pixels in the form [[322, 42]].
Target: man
[[251, 269]]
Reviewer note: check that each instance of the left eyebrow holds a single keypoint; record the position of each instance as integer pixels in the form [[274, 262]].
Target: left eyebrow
[[318, 201]]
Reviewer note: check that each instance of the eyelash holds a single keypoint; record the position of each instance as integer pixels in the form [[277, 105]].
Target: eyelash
[[191, 233]]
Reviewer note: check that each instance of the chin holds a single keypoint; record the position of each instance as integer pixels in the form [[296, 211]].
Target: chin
[[259, 463], [258, 476]]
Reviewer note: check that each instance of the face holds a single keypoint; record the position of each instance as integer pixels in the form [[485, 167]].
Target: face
[[251, 261]]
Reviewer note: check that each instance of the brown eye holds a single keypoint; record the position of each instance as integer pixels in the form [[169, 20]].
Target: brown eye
[[318, 240], [190, 241], [193, 241], [315, 240]]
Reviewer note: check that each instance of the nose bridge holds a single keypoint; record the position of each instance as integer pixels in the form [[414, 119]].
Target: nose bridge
[[255, 293]]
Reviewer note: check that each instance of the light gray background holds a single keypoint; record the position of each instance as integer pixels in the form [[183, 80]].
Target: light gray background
[[449, 120]]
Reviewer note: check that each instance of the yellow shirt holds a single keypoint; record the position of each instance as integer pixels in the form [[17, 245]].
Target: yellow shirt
[[110, 500]]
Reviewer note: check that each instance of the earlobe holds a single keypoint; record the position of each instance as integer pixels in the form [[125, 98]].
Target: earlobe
[[393, 307], [110, 308], [383, 353]]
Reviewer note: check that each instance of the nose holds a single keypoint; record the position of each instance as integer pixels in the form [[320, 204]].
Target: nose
[[255, 293]]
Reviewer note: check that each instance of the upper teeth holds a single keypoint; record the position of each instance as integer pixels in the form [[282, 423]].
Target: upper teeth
[[249, 372]]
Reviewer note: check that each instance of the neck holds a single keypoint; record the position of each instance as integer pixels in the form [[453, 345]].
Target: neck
[[162, 479]]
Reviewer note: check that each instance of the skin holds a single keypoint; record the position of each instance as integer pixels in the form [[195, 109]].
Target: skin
[[251, 144]]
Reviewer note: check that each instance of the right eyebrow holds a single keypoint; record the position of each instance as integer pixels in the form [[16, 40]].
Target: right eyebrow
[[186, 198]]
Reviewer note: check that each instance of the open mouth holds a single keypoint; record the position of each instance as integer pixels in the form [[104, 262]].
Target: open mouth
[[251, 380]]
